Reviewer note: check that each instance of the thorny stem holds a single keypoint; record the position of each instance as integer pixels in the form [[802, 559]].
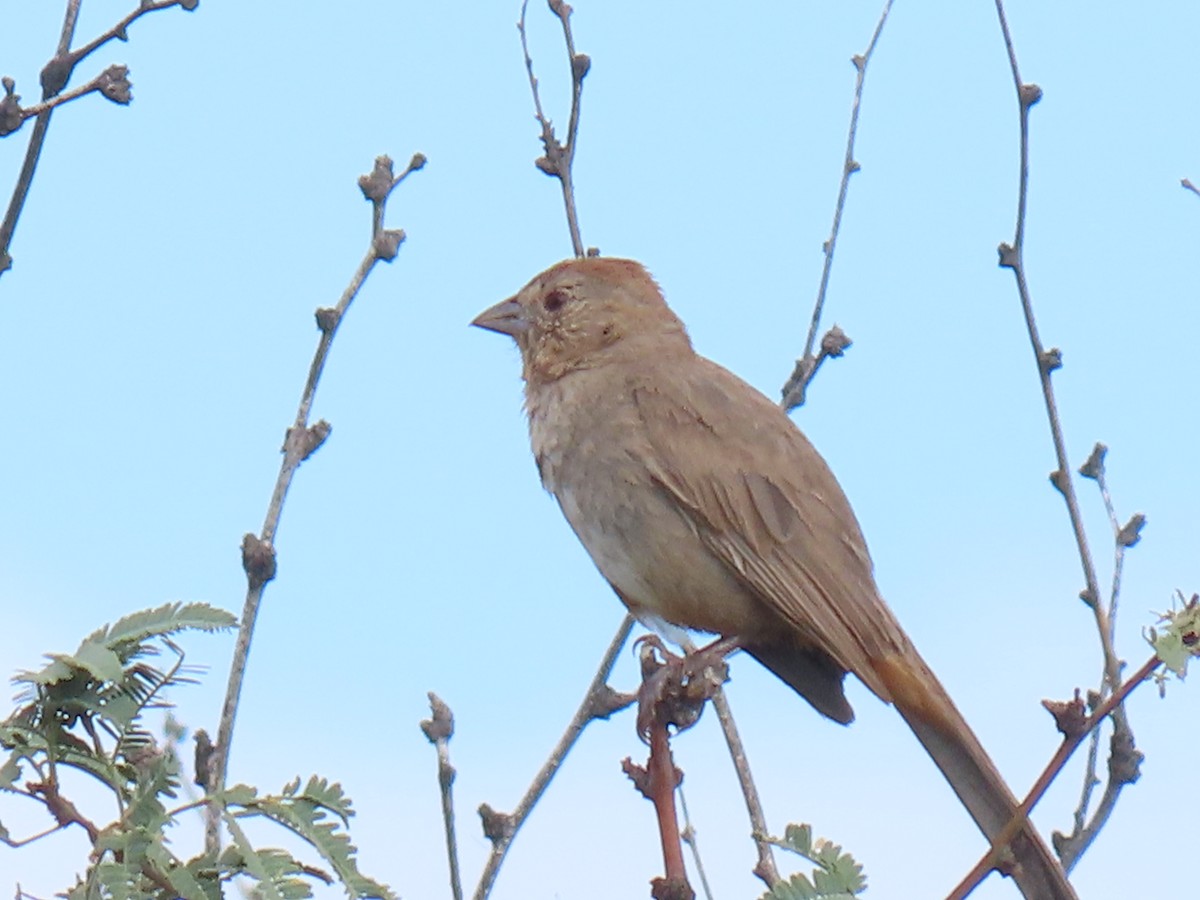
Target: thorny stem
[[55, 75], [559, 157], [1109, 707], [806, 366], [258, 552], [1012, 256], [597, 703]]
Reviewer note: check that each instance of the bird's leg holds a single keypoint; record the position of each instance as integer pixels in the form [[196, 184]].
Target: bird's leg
[[713, 654]]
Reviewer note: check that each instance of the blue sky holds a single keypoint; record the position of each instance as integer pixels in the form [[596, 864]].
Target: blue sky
[[159, 321]]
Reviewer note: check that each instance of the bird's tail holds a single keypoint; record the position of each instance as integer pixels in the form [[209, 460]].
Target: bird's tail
[[939, 726]]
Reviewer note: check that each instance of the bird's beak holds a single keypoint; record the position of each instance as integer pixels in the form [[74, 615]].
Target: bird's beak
[[505, 317]]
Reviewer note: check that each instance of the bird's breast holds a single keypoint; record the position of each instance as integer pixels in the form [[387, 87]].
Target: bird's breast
[[592, 454]]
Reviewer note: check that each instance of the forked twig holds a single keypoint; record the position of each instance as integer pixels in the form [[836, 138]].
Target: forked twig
[[55, 75], [559, 158], [1012, 257], [1071, 847]]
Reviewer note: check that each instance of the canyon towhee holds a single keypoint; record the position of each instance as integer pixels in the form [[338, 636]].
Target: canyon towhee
[[705, 507]]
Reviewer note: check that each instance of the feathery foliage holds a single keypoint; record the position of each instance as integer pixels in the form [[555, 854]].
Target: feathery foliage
[[837, 876], [85, 710]]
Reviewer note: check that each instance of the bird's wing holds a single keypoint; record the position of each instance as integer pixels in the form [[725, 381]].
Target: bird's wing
[[765, 502]]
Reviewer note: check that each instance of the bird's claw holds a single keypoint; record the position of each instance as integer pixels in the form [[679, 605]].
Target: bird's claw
[[675, 688]]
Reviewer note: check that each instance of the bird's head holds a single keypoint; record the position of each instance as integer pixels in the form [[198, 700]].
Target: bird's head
[[583, 313]]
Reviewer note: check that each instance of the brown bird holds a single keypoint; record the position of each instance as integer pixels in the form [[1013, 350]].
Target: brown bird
[[705, 507]]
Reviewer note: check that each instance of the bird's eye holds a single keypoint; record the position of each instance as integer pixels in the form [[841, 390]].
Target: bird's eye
[[554, 301]]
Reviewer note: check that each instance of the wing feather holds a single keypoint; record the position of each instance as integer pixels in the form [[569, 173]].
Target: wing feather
[[764, 501]]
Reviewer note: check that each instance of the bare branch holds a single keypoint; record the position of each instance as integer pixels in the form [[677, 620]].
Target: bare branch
[[765, 869], [54, 77], [1048, 360], [807, 364], [1071, 741], [439, 728], [599, 702], [688, 836], [300, 442], [1071, 847], [1012, 256], [559, 158]]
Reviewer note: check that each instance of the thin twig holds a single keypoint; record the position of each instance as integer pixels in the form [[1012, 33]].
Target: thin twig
[[807, 364], [1091, 780], [688, 836], [1012, 256], [102, 82], [559, 157], [439, 728], [1071, 847], [119, 31], [765, 869], [301, 441], [1109, 707], [33, 150], [21, 842], [599, 702], [55, 76]]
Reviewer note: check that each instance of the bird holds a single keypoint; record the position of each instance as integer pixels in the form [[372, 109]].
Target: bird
[[706, 508]]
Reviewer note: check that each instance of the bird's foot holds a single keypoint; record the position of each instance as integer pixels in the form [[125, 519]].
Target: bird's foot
[[675, 688]]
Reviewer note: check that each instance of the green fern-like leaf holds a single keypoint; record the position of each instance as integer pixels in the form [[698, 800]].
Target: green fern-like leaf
[[10, 772], [273, 870], [99, 661], [28, 742], [304, 813], [77, 700], [183, 881], [798, 887], [838, 875], [798, 839], [155, 776], [165, 620]]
